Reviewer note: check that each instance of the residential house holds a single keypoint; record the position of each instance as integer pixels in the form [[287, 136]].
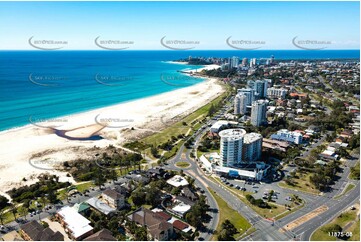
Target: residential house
[[113, 199], [157, 226], [102, 235], [33, 231], [75, 225], [188, 193]]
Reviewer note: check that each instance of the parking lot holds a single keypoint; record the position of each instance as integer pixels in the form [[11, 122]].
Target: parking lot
[[259, 189]]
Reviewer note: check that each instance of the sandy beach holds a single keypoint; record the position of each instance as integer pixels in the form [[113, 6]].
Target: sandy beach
[[54, 141]]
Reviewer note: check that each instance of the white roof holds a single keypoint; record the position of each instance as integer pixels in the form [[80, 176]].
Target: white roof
[[251, 137], [219, 124], [205, 161], [181, 208], [177, 181], [75, 222], [100, 205], [245, 173], [328, 152]]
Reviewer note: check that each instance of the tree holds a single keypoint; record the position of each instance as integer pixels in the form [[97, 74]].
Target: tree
[[141, 234], [334, 228], [13, 210], [227, 232], [2, 216], [343, 152], [3, 202], [23, 211], [43, 201]]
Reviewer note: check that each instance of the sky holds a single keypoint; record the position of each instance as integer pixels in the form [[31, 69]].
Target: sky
[[268, 25]]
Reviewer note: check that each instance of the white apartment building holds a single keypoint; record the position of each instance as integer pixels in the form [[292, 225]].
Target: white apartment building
[[258, 113], [231, 146], [249, 94], [289, 136], [240, 104], [276, 93], [260, 87], [252, 147]]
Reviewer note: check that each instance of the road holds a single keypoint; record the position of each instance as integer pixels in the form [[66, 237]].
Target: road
[[264, 229]]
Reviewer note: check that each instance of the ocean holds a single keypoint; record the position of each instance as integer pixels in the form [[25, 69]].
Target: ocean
[[49, 84]]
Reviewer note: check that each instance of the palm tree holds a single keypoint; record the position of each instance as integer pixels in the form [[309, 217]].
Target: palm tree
[[23, 211], [13, 209], [43, 201]]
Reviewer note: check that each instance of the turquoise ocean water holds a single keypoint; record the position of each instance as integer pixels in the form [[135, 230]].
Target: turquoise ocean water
[[48, 84]]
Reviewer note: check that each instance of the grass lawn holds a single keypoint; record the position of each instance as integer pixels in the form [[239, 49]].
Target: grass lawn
[[348, 188], [179, 128], [225, 212], [321, 234], [80, 187], [355, 229], [301, 183], [293, 209], [355, 172], [182, 164]]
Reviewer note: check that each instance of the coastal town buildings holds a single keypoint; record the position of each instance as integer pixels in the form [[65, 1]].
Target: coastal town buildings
[[258, 113], [289, 136], [231, 146], [240, 104], [252, 147]]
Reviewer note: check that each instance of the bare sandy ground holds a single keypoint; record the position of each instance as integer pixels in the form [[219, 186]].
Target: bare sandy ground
[[37, 148]]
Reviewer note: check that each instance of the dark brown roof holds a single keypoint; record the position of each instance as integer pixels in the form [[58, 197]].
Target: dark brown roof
[[102, 235], [180, 225], [155, 222], [37, 232], [189, 193], [112, 193]]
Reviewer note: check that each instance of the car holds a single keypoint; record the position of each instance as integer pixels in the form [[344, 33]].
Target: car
[[255, 191], [231, 185], [237, 187], [3, 228], [227, 183]]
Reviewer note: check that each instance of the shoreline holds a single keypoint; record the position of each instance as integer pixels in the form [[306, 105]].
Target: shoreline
[[135, 119], [183, 71]]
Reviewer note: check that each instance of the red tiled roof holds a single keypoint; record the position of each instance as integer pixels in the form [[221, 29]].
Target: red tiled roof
[[180, 225], [164, 215]]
